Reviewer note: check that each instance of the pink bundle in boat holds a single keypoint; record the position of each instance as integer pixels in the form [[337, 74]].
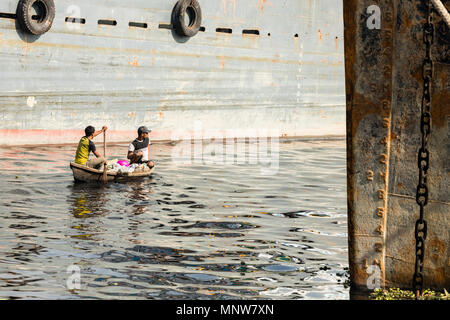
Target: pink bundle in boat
[[123, 163]]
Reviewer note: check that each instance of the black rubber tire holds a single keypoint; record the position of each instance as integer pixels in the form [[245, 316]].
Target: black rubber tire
[[32, 26], [179, 13]]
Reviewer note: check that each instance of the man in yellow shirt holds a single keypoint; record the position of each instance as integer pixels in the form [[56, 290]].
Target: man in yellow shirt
[[86, 145]]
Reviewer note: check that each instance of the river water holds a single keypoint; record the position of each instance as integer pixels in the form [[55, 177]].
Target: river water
[[194, 230]]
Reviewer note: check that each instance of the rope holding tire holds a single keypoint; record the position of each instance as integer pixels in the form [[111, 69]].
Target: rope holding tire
[[36, 25], [192, 9]]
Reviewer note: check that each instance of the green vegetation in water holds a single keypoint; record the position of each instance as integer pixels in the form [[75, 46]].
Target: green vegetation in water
[[398, 294]]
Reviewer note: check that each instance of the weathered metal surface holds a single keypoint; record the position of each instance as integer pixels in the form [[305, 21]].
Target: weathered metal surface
[[384, 93], [289, 78]]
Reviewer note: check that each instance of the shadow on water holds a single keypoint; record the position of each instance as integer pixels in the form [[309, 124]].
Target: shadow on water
[[359, 294]]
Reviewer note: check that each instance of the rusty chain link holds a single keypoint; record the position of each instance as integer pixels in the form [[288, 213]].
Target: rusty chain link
[[424, 155]]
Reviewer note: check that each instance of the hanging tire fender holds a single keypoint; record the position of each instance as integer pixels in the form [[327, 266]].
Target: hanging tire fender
[[192, 9], [35, 26]]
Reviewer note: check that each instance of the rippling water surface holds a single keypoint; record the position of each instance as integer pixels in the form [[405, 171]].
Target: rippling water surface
[[192, 231]]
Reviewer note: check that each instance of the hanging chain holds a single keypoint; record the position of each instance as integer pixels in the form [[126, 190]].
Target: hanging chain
[[424, 154]]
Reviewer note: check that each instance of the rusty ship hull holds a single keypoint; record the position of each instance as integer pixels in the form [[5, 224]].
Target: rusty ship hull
[[385, 91], [254, 65]]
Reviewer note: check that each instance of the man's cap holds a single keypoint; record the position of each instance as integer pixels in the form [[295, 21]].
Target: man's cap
[[143, 129]]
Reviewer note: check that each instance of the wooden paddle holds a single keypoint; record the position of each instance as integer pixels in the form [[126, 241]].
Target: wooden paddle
[[105, 177]]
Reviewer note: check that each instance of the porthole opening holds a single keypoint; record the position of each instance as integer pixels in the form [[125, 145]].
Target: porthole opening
[[251, 31], [108, 22], [138, 25], [76, 20], [224, 30]]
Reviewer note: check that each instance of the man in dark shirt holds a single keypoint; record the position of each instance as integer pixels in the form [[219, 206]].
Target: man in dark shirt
[[138, 150], [86, 145]]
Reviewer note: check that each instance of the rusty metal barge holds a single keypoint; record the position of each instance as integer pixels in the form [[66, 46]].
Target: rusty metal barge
[[398, 129], [249, 66]]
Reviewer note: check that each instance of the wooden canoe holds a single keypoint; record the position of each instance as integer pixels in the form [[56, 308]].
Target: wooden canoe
[[82, 173]]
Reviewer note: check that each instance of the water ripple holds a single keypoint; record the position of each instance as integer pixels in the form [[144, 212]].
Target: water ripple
[[200, 231]]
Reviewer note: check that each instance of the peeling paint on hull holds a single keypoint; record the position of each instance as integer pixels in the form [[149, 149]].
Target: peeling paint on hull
[[88, 74]]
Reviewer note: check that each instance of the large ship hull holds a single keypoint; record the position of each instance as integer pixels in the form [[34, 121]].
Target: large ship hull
[[288, 80]]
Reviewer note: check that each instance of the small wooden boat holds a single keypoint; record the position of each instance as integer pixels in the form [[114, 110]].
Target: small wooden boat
[[82, 173]]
